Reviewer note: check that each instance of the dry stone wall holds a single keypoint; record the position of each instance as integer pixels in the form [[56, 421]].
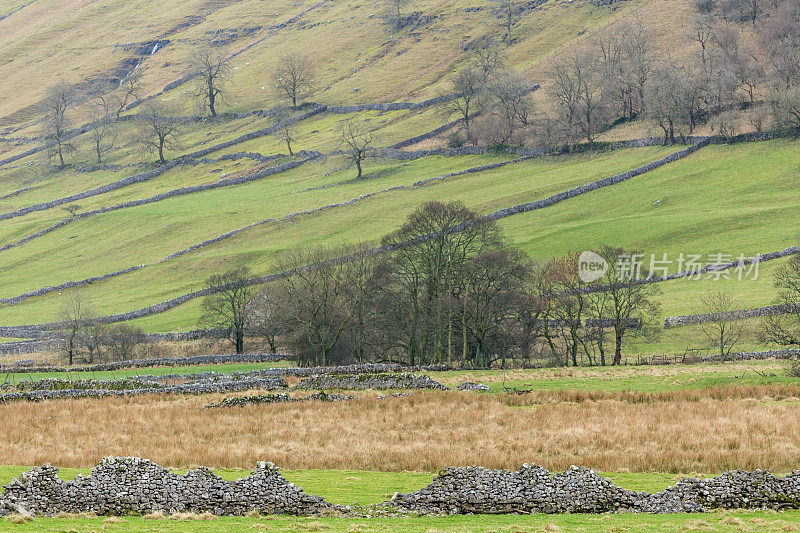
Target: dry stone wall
[[145, 363], [370, 381], [194, 388], [124, 485], [787, 353], [532, 489], [740, 314]]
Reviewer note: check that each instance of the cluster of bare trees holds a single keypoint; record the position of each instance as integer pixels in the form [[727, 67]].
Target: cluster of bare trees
[[620, 76], [485, 88], [446, 288], [85, 339], [159, 123]]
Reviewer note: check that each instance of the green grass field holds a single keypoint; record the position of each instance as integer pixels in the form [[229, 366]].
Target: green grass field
[[729, 522], [367, 488]]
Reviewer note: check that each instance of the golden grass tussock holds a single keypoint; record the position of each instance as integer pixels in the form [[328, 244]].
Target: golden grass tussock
[[762, 393], [423, 432], [188, 517], [18, 519]]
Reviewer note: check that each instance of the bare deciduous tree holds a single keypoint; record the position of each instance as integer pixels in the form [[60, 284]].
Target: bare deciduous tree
[[293, 78], [721, 330], [267, 315], [159, 127], [127, 92], [577, 91], [702, 29], [121, 340], [780, 39], [225, 308], [285, 130], [356, 140], [317, 296], [667, 107], [59, 100], [784, 329], [489, 57], [212, 70], [103, 132], [507, 13], [630, 305], [510, 102], [469, 88], [75, 315], [420, 277]]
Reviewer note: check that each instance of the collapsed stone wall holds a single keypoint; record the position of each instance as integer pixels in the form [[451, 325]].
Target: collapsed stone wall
[[28, 346], [532, 489], [124, 485], [281, 397], [370, 381]]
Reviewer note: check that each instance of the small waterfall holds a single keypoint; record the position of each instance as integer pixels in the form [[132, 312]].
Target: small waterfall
[[122, 80], [154, 49]]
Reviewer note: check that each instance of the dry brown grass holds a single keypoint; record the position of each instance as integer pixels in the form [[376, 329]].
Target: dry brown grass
[[763, 393], [425, 432], [614, 373]]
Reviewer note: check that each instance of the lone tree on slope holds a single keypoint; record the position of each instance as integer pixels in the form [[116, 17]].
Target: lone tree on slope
[[59, 99], [159, 128], [212, 70], [356, 141], [293, 78], [507, 13]]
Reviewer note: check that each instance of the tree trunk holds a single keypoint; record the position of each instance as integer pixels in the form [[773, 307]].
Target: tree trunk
[[617, 347], [211, 99], [239, 341], [358, 166]]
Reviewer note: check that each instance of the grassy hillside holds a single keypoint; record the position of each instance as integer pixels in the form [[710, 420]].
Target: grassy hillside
[[731, 200]]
